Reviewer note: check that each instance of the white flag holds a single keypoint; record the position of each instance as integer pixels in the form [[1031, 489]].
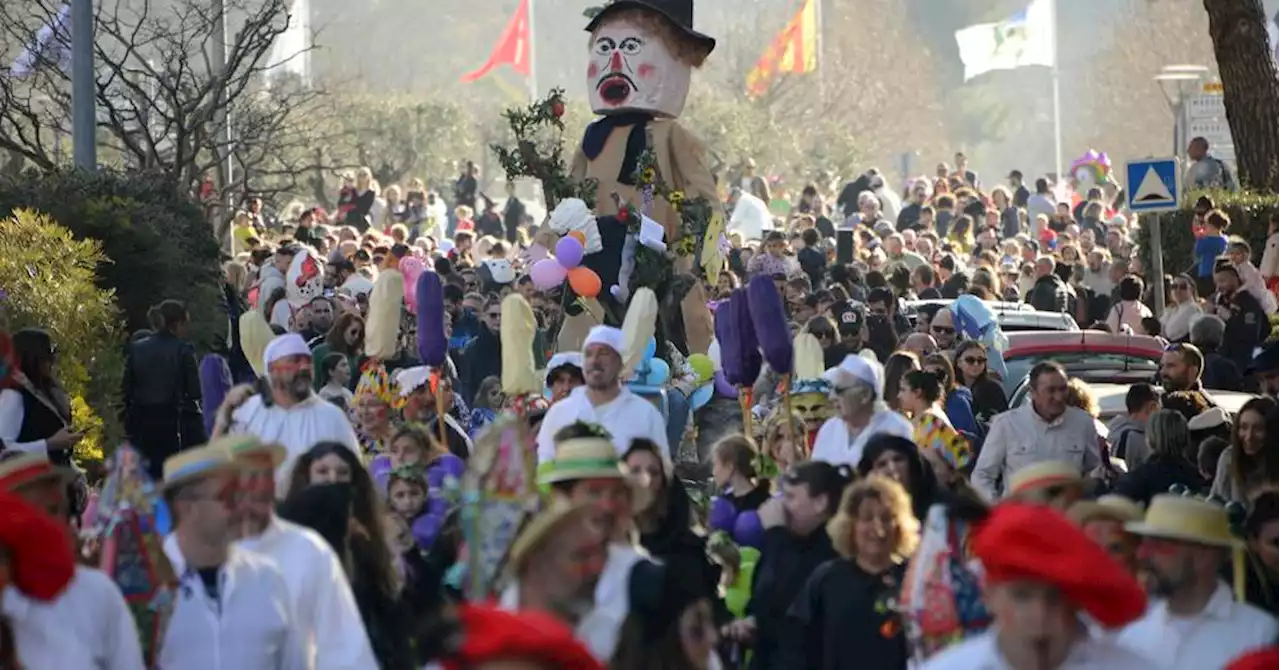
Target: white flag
[[1026, 38], [291, 52], [52, 44]]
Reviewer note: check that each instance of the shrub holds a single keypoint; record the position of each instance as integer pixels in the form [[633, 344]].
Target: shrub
[[50, 281], [157, 240], [1249, 214]]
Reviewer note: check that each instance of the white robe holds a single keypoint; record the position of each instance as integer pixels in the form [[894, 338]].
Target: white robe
[[87, 626], [297, 428], [627, 417], [833, 444], [332, 630]]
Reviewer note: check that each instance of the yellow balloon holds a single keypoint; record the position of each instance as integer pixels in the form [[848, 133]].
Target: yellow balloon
[[703, 367]]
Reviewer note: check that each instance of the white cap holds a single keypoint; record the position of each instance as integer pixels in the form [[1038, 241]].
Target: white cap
[[607, 335], [855, 368], [289, 344], [564, 358], [412, 379]]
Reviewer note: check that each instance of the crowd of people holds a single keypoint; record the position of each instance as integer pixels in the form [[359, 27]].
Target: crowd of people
[[902, 515]]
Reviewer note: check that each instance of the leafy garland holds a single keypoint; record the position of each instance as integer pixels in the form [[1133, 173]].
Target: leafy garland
[[541, 157]]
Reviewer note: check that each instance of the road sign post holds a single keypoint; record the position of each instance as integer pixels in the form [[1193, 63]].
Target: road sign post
[[1153, 187]]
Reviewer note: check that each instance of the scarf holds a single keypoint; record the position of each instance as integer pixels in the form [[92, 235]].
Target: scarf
[[598, 132]]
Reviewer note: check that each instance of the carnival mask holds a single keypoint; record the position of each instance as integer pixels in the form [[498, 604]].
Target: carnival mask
[[813, 408], [632, 69], [305, 279]]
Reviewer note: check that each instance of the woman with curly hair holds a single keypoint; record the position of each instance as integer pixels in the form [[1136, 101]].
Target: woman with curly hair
[[844, 616]]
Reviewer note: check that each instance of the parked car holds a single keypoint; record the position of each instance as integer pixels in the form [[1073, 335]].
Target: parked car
[[1014, 317], [1093, 355], [1110, 398]]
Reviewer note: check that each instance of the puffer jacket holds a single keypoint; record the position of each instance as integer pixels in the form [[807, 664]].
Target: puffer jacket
[[1049, 294]]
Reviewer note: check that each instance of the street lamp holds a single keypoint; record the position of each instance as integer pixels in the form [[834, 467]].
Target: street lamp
[[1178, 82]]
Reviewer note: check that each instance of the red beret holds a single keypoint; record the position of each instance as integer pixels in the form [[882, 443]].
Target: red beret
[[41, 560], [491, 634], [1267, 658], [1037, 543]]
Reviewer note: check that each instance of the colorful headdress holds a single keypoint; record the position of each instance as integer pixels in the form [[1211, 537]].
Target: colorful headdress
[[809, 366], [1097, 166], [376, 383]]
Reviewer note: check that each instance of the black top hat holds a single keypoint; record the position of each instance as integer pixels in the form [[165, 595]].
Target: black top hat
[[678, 12]]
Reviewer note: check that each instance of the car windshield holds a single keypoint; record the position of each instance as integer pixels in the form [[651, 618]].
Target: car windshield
[[1090, 366]]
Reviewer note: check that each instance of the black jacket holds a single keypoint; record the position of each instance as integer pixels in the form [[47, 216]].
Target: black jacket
[[482, 358], [840, 619], [677, 545], [785, 564], [814, 264], [162, 385], [1220, 374], [1156, 476], [1049, 294]]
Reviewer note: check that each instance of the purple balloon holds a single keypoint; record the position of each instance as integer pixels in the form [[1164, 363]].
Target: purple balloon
[[723, 387], [547, 274], [569, 252]]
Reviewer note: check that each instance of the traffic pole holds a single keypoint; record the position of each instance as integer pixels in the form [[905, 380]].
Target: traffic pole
[[1157, 263]]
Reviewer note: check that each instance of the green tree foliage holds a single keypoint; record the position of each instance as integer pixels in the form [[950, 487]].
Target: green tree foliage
[[52, 283], [158, 244]]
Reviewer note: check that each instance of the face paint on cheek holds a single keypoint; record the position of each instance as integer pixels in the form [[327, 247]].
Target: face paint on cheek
[[593, 70], [645, 71]]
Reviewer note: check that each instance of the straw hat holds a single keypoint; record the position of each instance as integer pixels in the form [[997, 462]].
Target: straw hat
[[245, 447], [30, 468], [198, 463], [592, 458], [1043, 474], [542, 528], [1186, 519], [584, 458], [1110, 506]]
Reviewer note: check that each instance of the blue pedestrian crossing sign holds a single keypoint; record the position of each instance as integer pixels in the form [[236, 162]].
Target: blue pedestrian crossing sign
[[1152, 184]]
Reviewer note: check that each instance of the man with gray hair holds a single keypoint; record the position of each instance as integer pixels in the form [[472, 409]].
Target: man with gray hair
[[1219, 373], [1049, 293], [858, 384]]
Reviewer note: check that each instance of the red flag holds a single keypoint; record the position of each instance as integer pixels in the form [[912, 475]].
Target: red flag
[[512, 47]]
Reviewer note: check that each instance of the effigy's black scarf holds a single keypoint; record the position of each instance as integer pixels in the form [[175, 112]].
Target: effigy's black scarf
[[598, 132]]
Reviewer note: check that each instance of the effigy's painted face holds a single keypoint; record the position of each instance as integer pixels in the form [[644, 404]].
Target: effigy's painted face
[[632, 70]]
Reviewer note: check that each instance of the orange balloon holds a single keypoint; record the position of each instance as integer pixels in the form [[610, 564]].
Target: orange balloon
[[585, 282], [577, 235]]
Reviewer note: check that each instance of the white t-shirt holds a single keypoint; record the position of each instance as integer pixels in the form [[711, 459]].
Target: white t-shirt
[[836, 446], [297, 428], [626, 417]]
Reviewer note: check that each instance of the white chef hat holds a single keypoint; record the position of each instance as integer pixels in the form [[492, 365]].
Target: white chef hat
[[412, 379], [856, 369], [562, 359], [289, 344], [607, 335]]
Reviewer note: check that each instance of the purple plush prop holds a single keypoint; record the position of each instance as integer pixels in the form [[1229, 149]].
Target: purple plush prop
[[215, 382], [739, 352], [433, 346], [771, 324]]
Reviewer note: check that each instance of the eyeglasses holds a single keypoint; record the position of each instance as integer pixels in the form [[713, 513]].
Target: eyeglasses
[[494, 315], [970, 360], [946, 330]]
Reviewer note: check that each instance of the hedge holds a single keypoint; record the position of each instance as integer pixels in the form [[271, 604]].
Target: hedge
[[157, 240], [1249, 212], [49, 279]]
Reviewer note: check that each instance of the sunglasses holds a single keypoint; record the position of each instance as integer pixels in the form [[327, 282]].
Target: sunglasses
[[947, 330], [1181, 287], [494, 315], [970, 360]]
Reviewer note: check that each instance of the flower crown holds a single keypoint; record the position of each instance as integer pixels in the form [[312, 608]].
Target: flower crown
[[376, 383]]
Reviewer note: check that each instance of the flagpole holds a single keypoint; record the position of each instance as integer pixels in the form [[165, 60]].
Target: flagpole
[[819, 66], [533, 61], [1057, 95]]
